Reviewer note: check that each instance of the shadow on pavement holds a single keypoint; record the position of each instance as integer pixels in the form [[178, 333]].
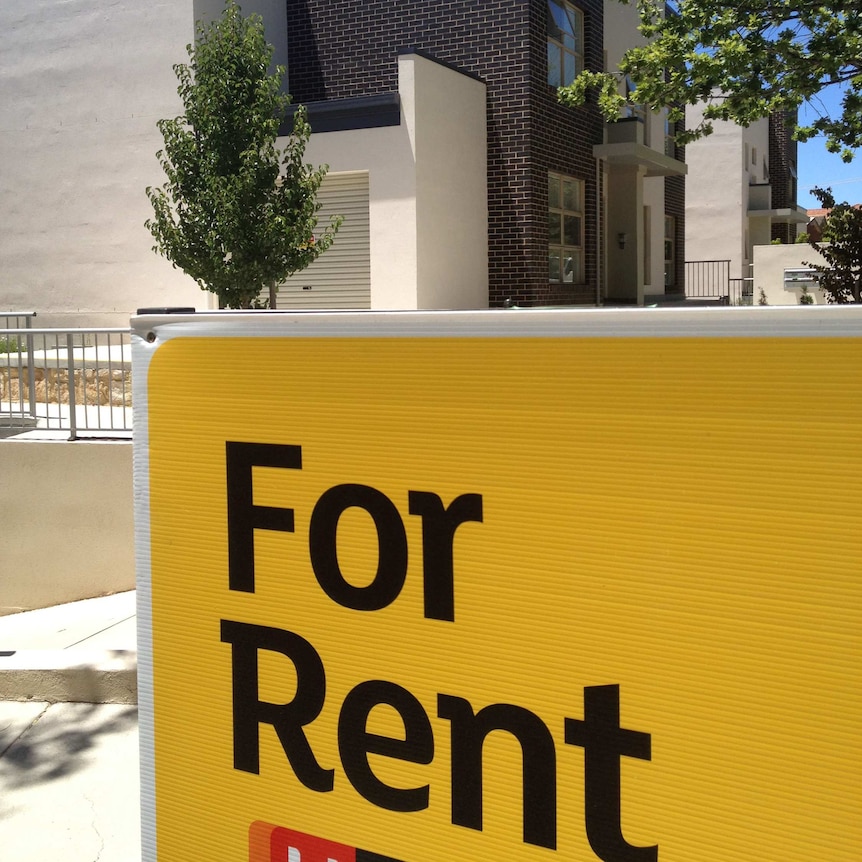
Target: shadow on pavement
[[46, 742]]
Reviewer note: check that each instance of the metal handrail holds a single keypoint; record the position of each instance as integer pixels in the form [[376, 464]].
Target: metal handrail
[[97, 359], [707, 278], [59, 330]]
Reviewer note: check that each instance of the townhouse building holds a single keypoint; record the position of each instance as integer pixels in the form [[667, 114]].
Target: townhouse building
[[568, 210], [463, 181], [741, 191]]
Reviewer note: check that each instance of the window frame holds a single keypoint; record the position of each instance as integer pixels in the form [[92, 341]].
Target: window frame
[[558, 45], [563, 250]]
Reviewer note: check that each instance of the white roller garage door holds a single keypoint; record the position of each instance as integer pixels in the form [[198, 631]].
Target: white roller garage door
[[341, 277]]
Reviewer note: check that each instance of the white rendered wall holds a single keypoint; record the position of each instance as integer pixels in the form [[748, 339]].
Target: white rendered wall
[[770, 261], [428, 202], [756, 230], [82, 84], [450, 140], [387, 155], [67, 517], [716, 192], [720, 173], [621, 32]]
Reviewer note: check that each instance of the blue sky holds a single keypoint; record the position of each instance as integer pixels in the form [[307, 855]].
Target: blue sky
[[817, 167]]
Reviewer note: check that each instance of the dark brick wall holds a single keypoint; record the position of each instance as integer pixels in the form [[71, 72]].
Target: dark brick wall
[[562, 141], [342, 48], [782, 170], [345, 48], [674, 205], [785, 233]]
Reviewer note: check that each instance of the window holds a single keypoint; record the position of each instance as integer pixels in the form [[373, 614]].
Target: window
[[565, 230], [754, 156], [565, 42], [669, 250]]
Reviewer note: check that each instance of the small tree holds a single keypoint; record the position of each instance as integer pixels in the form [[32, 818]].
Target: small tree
[[236, 214], [840, 277]]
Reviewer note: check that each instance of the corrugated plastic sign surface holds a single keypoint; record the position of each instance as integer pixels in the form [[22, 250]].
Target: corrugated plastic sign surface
[[420, 590]]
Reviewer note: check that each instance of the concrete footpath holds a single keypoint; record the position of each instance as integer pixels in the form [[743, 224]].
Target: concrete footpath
[[69, 760]]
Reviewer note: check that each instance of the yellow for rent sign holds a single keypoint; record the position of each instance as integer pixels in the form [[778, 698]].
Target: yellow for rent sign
[[534, 586]]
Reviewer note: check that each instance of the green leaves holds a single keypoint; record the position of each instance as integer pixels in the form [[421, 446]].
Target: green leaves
[[235, 213], [745, 60], [841, 246]]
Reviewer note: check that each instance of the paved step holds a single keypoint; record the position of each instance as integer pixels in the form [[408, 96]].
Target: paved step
[[70, 676], [82, 652]]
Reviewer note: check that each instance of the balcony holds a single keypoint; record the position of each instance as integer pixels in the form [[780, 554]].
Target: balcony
[[625, 146], [760, 206]]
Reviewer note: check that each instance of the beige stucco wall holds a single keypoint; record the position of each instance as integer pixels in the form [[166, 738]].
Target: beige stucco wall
[[82, 84], [66, 522], [770, 261]]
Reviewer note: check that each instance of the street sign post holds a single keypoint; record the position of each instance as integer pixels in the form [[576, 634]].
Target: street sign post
[[500, 585]]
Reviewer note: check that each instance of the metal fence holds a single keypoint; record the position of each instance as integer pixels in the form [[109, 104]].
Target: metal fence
[[741, 291], [707, 279], [74, 381], [710, 280]]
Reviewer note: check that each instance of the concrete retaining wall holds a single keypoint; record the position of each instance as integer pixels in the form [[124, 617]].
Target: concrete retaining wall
[[66, 521], [770, 262]]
